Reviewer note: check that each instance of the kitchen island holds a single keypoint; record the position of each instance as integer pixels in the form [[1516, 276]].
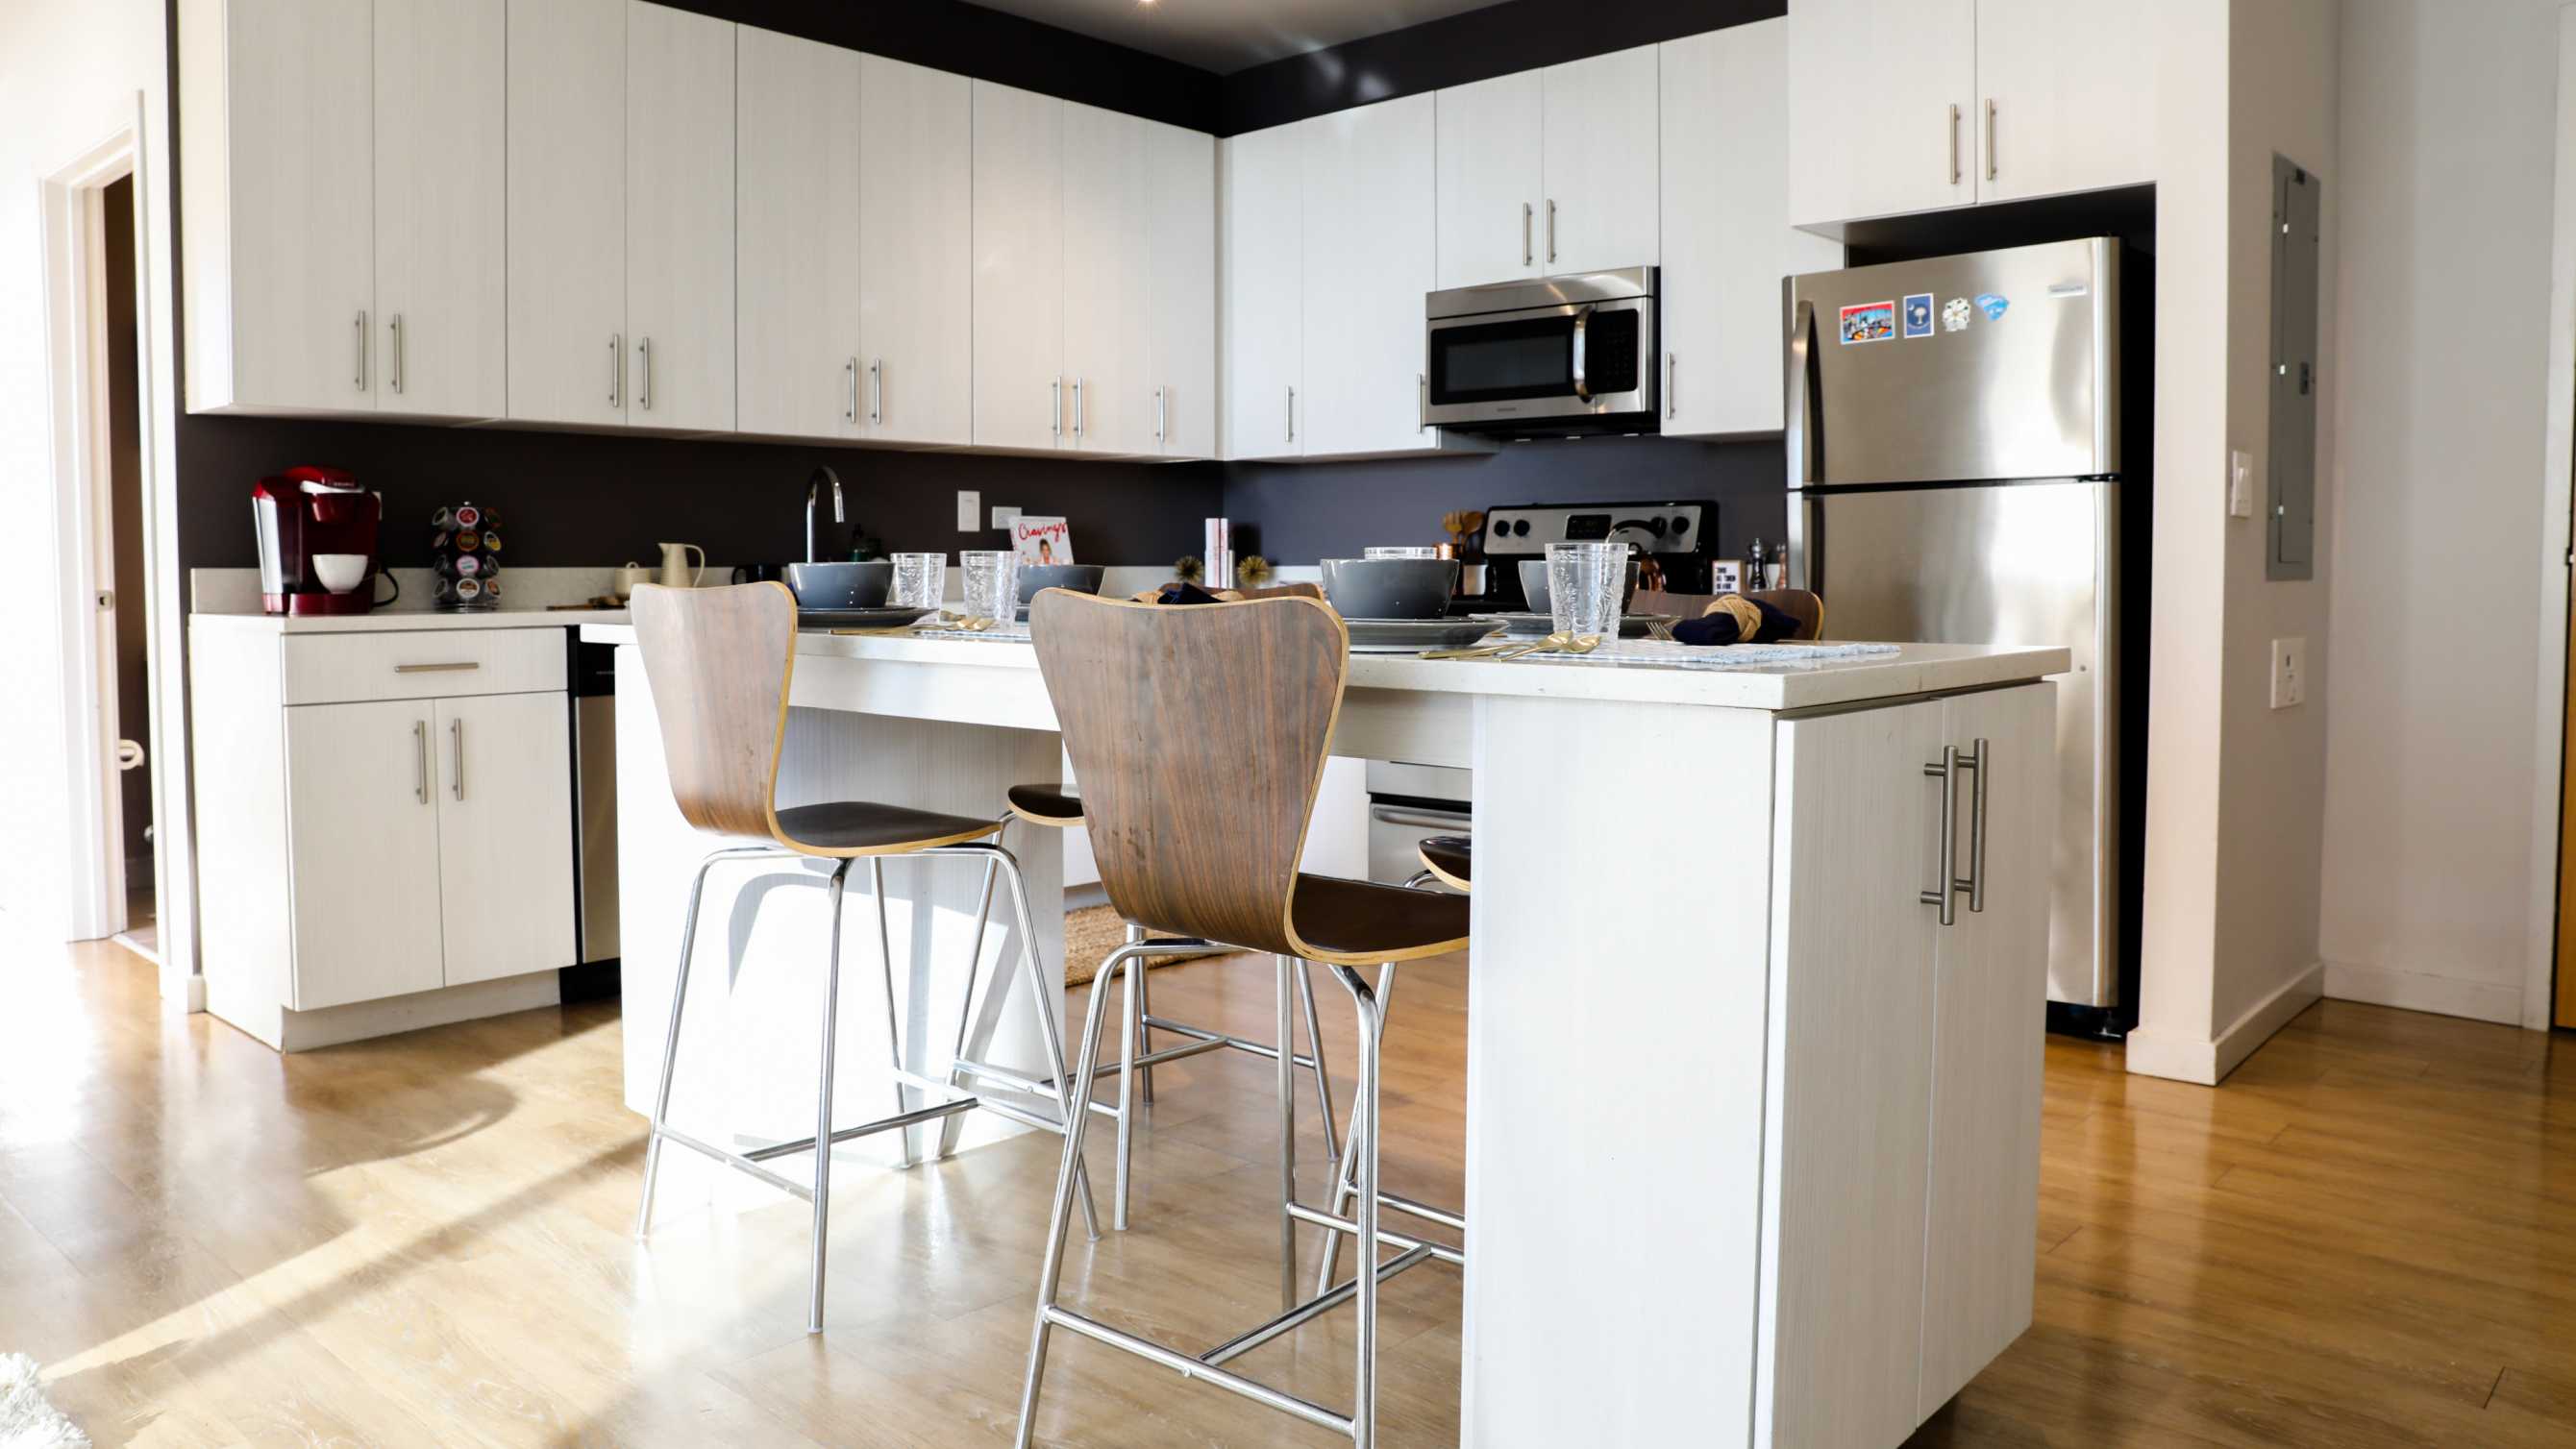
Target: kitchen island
[[1753, 1044]]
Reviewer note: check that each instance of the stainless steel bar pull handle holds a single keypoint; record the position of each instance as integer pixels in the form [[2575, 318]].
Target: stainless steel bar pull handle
[[1162, 417], [1422, 402], [455, 667], [850, 391], [1055, 407], [1983, 763], [1954, 145], [1526, 213], [396, 379], [420, 760], [1551, 228], [1802, 432], [616, 366], [1990, 139], [361, 372], [456, 734], [1292, 414], [1077, 409], [1946, 770], [876, 390], [1672, 399], [1582, 325], [644, 389]]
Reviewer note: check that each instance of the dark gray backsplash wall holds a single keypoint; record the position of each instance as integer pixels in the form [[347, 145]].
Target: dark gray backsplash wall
[[1302, 512]]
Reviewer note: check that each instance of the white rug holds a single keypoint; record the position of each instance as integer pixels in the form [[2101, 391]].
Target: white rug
[[27, 1421]]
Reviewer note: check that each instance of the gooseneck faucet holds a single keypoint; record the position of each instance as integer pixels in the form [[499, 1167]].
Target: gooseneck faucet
[[814, 495]]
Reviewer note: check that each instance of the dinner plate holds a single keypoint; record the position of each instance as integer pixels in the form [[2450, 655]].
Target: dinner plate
[[856, 618], [1405, 636], [1534, 626]]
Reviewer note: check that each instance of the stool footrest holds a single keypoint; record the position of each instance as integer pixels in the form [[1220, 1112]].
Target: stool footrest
[[1211, 1039], [1190, 1368], [1312, 1308], [750, 1163], [1455, 1256]]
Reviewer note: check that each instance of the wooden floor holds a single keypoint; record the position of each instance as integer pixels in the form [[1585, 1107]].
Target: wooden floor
[[2368, 1237]]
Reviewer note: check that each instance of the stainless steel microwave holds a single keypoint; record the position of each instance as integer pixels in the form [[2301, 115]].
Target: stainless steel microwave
[[1566, 355]]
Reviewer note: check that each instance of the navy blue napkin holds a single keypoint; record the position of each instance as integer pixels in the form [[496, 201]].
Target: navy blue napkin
[[1722, 628]]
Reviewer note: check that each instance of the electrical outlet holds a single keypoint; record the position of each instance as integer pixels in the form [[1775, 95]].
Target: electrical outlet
[[1004, 515], [2289, 672], [970, 508], [2240, 483]]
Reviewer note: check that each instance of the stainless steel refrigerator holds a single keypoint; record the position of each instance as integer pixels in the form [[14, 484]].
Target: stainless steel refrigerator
[[1955, 450]]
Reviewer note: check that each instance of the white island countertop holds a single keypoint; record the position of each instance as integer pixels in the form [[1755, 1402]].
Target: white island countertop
[[401, 620]]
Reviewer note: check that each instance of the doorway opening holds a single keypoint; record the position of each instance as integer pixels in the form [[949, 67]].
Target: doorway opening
[[124, 583]]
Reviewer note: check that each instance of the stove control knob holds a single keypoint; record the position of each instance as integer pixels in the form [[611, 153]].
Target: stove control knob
[[1681, 526], [1655, 526], [1520, 528]]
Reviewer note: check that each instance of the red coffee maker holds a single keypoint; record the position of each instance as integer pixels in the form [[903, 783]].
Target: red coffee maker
[[317, 542]]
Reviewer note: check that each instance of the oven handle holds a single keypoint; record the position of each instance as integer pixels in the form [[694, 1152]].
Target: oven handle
[[1582, 321], [1416, 820]]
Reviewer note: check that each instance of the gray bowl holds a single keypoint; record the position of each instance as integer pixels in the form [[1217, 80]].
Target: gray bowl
[[1081, 578], [1534, 586], [840, 585], [1390, 588]]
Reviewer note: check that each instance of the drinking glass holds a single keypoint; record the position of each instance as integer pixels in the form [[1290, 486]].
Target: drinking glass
[[992, 583], [919, 580], [1586, 583]]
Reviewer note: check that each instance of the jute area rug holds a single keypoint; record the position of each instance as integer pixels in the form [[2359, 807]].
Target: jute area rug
[[1091, 933]]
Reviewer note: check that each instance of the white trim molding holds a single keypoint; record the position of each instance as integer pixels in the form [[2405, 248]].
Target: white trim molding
[[2162, 1054], [2499, 1001], [2558, 457]]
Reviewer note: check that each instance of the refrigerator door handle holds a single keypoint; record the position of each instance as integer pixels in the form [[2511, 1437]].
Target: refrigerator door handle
[[1801, 420]]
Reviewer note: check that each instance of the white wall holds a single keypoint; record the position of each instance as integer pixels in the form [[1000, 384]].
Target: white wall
[[2448, 132], [70, 78]]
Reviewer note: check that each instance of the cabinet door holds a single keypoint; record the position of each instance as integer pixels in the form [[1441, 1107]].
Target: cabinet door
[[1264, 264], [1369, 258], [1106, 280], [1019, 269], [298, 82], [1882, 95], [1600, 166], [442, 294], [505, 834], [679, 218], [567, 217], [2065, 96], [362, 842], [1847, 1136], [1180, 183], [1490, 145], [1989, 1017], [1727, 239], [796, 221], [916, 253]]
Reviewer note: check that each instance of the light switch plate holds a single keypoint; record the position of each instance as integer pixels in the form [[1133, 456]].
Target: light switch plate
[[1004, 515], [2289, 672], [970, 504], [2240, 483]]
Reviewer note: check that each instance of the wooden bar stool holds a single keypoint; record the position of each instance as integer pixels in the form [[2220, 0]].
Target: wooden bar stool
[[1200, 736], [1059, 807], [720, 660]]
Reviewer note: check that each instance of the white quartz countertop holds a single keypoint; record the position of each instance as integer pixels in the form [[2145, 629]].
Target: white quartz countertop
[[1912, 669], [400, 620]]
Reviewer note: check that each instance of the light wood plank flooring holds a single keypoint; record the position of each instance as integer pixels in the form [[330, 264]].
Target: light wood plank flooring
[[2368, 1237]]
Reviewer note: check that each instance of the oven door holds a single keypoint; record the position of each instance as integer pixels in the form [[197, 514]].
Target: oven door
[[1535, 365]]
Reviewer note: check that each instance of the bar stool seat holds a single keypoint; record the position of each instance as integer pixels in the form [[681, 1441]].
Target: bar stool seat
[[1056, 805], [865, 827], [1450, 859], [1362, 923]]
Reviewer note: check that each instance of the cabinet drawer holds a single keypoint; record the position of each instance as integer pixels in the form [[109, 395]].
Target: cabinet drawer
[[334, 668]]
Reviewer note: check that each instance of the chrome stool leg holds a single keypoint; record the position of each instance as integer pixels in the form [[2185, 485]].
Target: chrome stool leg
[[1343, 1188], [1144, 1008], [1361, 1146], [823, 1104], [1315, 1044], [907, 1141], [1073, 1091], [671, 1030], [1288, 1137], [949, 1130]]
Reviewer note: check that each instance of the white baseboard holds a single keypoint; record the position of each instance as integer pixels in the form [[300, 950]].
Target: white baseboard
[[2417, 991], [2160, 1054], [333, 1025]]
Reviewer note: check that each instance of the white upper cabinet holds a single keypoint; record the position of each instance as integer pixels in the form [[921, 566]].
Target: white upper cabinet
[[1602, 133], [796, 228], [1491, 150], [1107, 281], [2066, 96], [567, 211], [680, 219], [916, 253], [1369, 258], [442, 299], [1020, 400], [1727, 242], [1262, 270], [1180, 348], [1882, 95], [277, 113]]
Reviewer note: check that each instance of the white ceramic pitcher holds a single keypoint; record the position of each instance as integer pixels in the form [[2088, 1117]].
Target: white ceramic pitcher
[[676, 571]]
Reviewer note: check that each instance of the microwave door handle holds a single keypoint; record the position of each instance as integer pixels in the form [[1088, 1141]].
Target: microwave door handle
[[1801, 410], [1582, 321]]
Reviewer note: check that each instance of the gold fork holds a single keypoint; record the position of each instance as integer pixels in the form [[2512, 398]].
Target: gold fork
[[1552, 644]]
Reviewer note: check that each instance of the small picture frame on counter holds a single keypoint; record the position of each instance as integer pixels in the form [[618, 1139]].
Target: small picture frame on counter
[[1726, 576]]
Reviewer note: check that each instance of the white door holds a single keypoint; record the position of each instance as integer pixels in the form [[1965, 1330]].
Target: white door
[[679, 219], [1727, 239], [567, 214], [796, 223], [1848, 1135], [1180, 349], [362, 842], [1989, 1018], [505, 834], [916, 253], [2066, 96], [1106, 281], [1882, 95], [1369, 258], [1490, 154], [298, 82], [1602, 131], [1020, 399], [1261, 272], [442, 271]]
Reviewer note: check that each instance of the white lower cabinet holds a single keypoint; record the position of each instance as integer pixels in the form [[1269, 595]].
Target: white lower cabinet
[[504, 835], [1902, 1140], [363, 859]]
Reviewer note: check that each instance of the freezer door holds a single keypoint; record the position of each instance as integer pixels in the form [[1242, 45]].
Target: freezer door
[[2026, 563], [1999, 364]]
